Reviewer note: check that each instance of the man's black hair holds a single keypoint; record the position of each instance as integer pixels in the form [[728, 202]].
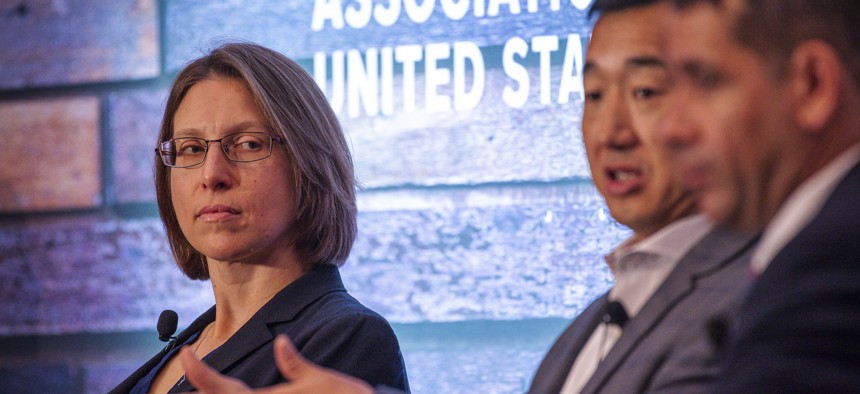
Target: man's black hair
[[607, 6]]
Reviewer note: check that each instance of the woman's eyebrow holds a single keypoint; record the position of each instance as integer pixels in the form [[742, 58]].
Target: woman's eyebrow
[[234, 128], [245, 125]]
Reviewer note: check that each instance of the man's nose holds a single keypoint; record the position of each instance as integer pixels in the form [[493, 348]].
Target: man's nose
[[616, 128], [676, 130]]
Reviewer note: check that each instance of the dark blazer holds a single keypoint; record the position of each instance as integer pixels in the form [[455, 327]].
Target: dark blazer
[[326, 324], [799, 329], [665, 347]]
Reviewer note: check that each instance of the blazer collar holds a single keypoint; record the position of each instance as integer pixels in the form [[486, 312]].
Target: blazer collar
[[283, 307], [713, 252]]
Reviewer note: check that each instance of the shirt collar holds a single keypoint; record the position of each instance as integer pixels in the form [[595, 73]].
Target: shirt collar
[[670, 243], [800, 207]]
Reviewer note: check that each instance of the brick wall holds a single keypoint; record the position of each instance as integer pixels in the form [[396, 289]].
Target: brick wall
[[480, 232]]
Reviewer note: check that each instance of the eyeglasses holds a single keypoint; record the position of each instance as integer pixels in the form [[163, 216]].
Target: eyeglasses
[[239, 147]]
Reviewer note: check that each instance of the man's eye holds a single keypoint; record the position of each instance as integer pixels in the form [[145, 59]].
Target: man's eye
[[704, 76], [593, 96], [646, 93], [708, 80]]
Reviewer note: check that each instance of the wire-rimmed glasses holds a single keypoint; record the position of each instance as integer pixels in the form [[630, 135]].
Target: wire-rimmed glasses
[[238, 147]]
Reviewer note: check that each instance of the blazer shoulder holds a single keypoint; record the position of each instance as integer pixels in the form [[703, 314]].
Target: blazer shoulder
[[339, 308], [340, 333], [805, 303]]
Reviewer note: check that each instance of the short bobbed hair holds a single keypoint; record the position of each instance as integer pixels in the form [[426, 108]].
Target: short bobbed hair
[[294, 109]]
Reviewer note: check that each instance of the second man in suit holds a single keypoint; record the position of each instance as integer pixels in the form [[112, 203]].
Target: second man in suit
[[766, 131]]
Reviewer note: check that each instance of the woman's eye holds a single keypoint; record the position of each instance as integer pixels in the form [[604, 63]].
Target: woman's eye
[[191, 149], [249, 145]]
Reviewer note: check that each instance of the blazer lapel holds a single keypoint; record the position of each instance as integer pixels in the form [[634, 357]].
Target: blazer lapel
[[715, 250], [284, 306], [555, 367]]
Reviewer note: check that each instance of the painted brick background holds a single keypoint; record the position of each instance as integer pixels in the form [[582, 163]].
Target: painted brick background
[[134, 119], [65, 42], [480, 234], [50, 154]]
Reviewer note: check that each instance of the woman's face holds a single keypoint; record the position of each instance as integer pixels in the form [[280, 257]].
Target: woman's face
[[228, 211]]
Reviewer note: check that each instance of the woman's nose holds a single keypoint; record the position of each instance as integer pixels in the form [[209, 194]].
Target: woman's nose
[[218, 170]]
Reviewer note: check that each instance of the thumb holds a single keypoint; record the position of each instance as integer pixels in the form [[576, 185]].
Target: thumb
[[307, 377], [291, 364]]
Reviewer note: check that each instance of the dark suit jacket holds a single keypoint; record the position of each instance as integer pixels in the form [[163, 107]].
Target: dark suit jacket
[[326, 324], [799, 329], [666, 346]]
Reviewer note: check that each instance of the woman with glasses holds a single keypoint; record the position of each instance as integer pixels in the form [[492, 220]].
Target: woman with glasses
[[256, 191]]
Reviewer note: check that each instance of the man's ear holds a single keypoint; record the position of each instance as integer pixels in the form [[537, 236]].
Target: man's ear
[[815, 76]]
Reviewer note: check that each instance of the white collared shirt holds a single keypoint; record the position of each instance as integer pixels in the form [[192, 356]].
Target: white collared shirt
[[639, 269], [801, 207]]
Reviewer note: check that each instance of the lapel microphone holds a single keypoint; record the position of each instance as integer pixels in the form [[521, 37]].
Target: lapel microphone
[[166, 327], [615, 314]]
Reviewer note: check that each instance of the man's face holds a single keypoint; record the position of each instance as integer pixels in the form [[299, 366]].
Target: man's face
[[729, 119], [627, 86]]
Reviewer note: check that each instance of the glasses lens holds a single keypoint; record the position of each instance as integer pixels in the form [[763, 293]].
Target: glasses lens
[[189, 151], [245, 147], [167, 151]]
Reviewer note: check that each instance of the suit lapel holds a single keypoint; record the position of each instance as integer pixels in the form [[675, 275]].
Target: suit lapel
[[553, 371], [581, 333], [714, 251]]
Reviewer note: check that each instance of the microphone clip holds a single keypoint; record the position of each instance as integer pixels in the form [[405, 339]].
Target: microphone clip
[[615, 314], [170, 344]]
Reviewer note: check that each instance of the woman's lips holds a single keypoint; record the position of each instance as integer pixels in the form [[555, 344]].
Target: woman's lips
[[216, 213]]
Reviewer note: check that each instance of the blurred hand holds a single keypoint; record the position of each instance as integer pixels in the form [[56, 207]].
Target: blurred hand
[[304, 376]]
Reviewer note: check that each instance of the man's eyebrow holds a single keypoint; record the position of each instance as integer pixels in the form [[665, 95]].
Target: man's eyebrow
[[694, 67], [646, 61], [589, 66], [634, 62]]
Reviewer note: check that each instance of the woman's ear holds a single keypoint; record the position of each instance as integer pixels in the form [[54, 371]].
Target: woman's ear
[[815, 76]]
